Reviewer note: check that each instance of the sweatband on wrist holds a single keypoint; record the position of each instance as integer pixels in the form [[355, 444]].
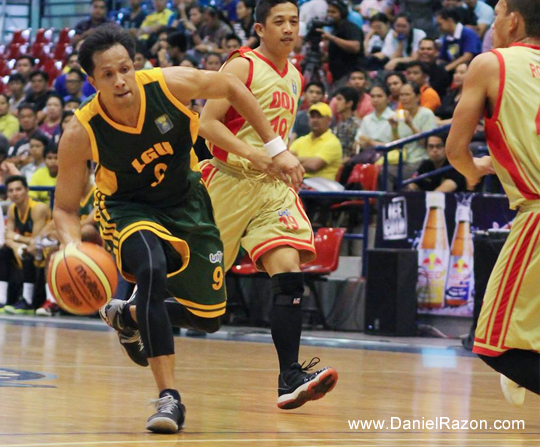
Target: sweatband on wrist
[[275, 147]]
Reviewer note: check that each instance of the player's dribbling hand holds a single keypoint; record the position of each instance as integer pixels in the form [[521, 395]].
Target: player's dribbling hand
[[261, 161], [289, 166], [483, 166]]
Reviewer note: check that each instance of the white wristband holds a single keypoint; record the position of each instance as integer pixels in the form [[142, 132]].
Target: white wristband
[[275, 147], [17, 237]]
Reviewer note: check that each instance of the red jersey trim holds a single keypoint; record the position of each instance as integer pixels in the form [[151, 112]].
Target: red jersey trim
[[269, 62], [502, 77], [502, 153], [518, 44], [509, 286]]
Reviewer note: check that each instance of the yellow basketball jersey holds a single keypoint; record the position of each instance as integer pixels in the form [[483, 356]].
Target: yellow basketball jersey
[[513, 131], [277, 93]]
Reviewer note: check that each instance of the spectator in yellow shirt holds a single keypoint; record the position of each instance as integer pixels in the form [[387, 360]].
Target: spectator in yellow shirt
[[153, 22], [9, 124], [45, 176], [320, 151]]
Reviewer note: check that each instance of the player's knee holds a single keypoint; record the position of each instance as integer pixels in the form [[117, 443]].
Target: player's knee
[[288, 288]]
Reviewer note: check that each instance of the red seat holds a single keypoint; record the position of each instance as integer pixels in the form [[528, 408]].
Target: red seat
[[327, 244], [245, 267], [40, 51], [13, 51], [64, 36], [53, 69], [61, 50], [44, 35], [20, 36]]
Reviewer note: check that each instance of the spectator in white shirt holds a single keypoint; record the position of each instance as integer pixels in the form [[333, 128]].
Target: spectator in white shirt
[[401, 44]]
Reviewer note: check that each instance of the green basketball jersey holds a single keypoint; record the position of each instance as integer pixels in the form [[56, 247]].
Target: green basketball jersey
[[24, 225], [151, 163]]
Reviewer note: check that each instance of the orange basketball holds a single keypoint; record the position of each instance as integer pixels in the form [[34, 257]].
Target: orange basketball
[[82, 278]]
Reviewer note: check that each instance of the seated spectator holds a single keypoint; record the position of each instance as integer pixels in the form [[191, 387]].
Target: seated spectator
[[24, 66], [72, 104], [134, 18], [38, 144], [484, 13], [213, 31], [357, 80], [319, 152], [394, 82], [375, 129], [416, 119], [155, 21], [16, 85], [232, 43], [374, 41], [446, 111], [212, 62], [53, 115], [67, 116], [20, 148], [9, 124], [449, 181], [45, 176], [418, 73], [74, 85], [314, 93], [98, 16], [194, 25], [177, 47], [346, 100], [401, 44], [459, 44], [141, 61], [439, 78], [244, 28], [466, 15], [40, 92], [72, 63], [25, 220]]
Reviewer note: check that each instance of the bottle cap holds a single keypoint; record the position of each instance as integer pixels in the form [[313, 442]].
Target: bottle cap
[[435, 199], [463, 214]]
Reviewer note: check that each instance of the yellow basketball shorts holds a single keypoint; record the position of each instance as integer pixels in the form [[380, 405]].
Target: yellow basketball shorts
[[259, 214], [510, 315]]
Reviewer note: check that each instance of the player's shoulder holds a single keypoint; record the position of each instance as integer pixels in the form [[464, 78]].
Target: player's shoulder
[[485, 63]]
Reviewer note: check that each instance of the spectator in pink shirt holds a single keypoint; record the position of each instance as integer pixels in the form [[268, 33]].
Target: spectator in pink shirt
[[357, 80]]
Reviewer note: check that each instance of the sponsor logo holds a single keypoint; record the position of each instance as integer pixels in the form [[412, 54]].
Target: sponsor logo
[[164, 124], [216, 258], [294, 88], [284, 212], [394, 221]]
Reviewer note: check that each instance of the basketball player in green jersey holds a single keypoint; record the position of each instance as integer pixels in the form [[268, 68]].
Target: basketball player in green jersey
[[154, 211], [266, 216]]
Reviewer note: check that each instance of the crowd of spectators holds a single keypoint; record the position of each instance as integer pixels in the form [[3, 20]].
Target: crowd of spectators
[[375, 71]]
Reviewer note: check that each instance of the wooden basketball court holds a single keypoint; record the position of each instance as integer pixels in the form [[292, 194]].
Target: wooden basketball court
[[65, 382]]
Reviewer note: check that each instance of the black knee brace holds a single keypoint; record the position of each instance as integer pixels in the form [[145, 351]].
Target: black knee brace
[[288, 288]]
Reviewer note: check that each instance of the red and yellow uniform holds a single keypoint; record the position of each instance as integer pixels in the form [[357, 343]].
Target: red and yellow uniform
[[251, 209], [509, 317]]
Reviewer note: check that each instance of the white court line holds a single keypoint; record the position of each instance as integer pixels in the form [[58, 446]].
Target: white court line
[[378, 441]]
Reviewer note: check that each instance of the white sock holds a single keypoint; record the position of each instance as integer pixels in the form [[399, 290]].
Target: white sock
[[28, 292], [50, 296], [3, 292]]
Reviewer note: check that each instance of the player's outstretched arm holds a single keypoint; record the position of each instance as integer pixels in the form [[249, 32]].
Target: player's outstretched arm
[[73, 153], [477, 91]]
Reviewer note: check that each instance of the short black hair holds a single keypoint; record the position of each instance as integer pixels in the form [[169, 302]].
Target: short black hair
[[17, 178], [262, 11], [41, 73], [428, 39], [383, 87], [233, 36], [443, 136], [414, 86], [178, 40], [65, 114], [450, 13], [140, 48], [423, 66], [379, 17], [73, 99], [395, 73], [79, 72], [57, 96], [530, 11], [104, 1], [316, 84], [42, 138], [341, 6], [50, 149], [350, 94], [101, 39], [27, 105], [27, 56], [16, 77]]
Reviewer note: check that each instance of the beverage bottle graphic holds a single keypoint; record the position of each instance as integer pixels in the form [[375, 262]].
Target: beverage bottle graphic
[[460, 281], [433, 254]]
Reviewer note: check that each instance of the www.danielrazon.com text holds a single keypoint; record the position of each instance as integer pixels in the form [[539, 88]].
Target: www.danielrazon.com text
[[438, 423]]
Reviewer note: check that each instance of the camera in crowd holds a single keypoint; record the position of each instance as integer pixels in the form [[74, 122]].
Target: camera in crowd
[[313, 37]]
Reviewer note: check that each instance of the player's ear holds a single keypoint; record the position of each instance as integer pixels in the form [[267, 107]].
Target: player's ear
[[259, 29], [514, 22], [92, 81]]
